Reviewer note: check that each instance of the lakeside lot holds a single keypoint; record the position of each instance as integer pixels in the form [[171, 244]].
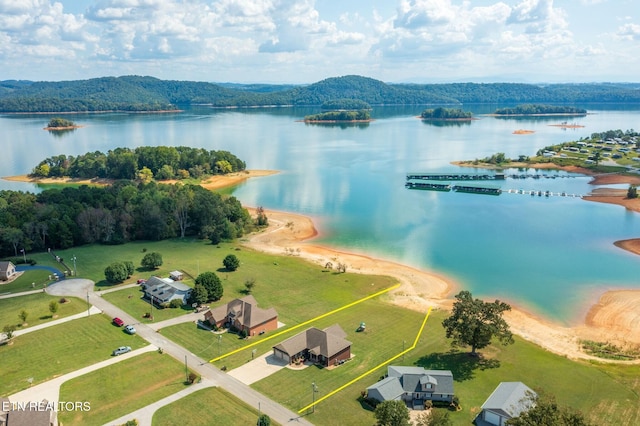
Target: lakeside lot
[[299, 291]]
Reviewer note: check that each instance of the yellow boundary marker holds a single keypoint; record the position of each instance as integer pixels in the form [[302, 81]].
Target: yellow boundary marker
[[382, 364], [371, 296]]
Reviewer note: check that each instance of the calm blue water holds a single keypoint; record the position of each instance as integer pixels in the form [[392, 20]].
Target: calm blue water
[[553, 255]]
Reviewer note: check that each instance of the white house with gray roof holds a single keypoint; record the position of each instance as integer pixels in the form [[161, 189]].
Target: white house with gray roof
[[413, 385], [508, 400], [164, 290]]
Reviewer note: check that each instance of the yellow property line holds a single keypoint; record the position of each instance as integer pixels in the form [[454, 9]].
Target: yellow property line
[[371, 296], [382, 364]]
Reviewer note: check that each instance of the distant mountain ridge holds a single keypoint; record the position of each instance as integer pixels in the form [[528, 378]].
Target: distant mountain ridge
[[143, 93]]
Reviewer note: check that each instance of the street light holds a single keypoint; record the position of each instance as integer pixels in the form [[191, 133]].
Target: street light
[[219, 342], [75, 271], [314, 390]]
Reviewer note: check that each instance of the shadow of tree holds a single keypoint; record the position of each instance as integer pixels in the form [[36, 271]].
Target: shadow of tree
[[461, 364]]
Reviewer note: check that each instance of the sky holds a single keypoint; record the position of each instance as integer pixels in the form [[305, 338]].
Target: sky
[[304, 41]]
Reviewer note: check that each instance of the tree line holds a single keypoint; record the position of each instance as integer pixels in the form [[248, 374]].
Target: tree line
[[360, 115], [160, 162], [530, 109], [445, 114], [119, 213], [135, 93]]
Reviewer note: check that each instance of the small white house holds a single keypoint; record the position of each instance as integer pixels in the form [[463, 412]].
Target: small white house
[[7, 270], [176, 275], [508, 400], [164, 290]]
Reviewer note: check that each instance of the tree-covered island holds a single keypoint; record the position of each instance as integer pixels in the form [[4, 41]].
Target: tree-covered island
[[446, 114], [339, 116], [535, 109], [58, 123]]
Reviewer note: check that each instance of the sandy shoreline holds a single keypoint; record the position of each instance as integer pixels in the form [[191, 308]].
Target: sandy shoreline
[[615, 317]]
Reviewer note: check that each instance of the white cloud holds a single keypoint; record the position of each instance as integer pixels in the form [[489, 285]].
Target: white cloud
[[630, 32]]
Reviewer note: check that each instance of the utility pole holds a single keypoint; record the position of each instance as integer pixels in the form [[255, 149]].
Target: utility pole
[[75, 271], [314, 390], [24, 256], [88, 306]]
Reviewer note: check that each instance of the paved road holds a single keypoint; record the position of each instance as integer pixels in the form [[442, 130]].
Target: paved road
[[212, 375]]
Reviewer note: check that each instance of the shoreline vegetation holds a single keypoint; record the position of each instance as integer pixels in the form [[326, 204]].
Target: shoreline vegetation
[[613, 317]]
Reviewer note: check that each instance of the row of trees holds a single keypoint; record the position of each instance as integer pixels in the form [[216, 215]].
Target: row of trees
[[360, 115], [122, 212], [530, 109], [161, 162]]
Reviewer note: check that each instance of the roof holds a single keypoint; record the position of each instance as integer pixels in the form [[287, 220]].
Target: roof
[[4, 265], [245, 310], [412, 378], [510, 399], [388, 388], [327, 342], [164, 288]]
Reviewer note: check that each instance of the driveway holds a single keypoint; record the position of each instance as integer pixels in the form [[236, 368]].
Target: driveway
[[261, 367]]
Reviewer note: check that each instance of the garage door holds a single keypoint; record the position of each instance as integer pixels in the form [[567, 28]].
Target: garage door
[[492, 418]]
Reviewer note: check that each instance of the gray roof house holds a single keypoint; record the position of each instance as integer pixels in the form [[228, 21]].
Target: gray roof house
[[164, 290], [414, 385], [7, 270], [327, 347], [508, 400]]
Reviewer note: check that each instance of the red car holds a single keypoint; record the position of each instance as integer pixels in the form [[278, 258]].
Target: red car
[[117, 321]]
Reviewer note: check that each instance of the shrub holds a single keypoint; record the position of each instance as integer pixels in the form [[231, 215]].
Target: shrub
[[231, 262], [115, 273], [152, 260], [175, 303]]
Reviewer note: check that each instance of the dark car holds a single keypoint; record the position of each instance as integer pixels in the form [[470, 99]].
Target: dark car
[[117, 321]]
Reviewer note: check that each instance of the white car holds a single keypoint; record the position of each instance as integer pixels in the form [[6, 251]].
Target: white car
[[130, 329], [121, 350]]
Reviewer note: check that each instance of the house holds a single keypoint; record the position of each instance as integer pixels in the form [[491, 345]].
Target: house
[[414, 386], [176, 275], [326, 347], [27, 413], [243, 314], [164, 290], [7, 270], [508, 400]]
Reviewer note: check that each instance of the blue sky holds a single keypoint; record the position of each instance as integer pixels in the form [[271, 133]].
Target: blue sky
[[303, 41]]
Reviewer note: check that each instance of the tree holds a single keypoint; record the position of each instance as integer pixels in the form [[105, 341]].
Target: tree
[[264, 420], [474, 322], [632, 192], [213, 285], [23, 315], [231, 262], [152, 260], [249, 284], [434, 417], [115, 273], [9, 330], [53, 307], [392, 413], [545, 411], [199, 295], [145, 175], [129, 267], [261, 217]]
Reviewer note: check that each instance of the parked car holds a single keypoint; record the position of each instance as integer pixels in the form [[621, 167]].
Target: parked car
[[141, 281], [121, 350], [117, 321], [130, 329]]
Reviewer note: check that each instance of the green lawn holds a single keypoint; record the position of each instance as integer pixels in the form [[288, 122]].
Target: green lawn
[[34, 279], [37, 306], [130, 300], [195, 410], [59, 349], [121, 388]]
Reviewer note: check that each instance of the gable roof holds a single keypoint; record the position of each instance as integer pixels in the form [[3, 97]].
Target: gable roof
[[509, 399], [327, 342], [245, 310], [412, 379], [388, 389], [4, 265], [163, 289]]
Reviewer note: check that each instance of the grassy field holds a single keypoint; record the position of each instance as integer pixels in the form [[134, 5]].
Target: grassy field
[[59, 349], [121, 388], [34, 279], [130, 301], [37, 306], [195, 410]]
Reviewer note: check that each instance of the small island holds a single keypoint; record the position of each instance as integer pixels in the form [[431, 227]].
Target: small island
[[446, 114], [360, 116], [58, 123], [535, 109]]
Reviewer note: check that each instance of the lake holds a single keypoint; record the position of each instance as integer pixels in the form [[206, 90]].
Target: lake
[[553, 255]]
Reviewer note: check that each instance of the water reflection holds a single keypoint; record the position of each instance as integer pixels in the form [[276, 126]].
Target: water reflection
[[447, 123], [61, 133], [339, 124]]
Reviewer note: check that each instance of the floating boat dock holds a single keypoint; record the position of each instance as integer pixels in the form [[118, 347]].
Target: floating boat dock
[[455, 176], [428, 186], [473, 189]]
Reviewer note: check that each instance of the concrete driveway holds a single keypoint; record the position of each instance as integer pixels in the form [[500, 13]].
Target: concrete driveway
[[259, 368]]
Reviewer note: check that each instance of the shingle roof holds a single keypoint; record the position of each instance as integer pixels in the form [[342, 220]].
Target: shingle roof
[[163, 289], [411, 378], [388, 389], [510, 399], [327, 342], [245, 310]]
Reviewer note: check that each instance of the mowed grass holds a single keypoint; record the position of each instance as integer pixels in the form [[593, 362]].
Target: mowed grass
[[34, 279], [574, 384], [196, 410], [37, 306], [130, 300], [60, 349], [121, 388]]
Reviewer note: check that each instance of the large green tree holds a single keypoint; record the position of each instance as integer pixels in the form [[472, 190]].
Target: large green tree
[[151, 260], [475, 323], [116, 272], [392, 413], [212, 283], [231, 262]]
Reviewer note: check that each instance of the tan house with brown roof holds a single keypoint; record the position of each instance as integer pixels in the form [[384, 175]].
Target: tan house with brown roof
[[326, 347], [243, 314], [7, 270]]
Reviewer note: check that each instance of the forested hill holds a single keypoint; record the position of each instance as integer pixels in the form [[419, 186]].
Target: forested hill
[[136, 93]]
